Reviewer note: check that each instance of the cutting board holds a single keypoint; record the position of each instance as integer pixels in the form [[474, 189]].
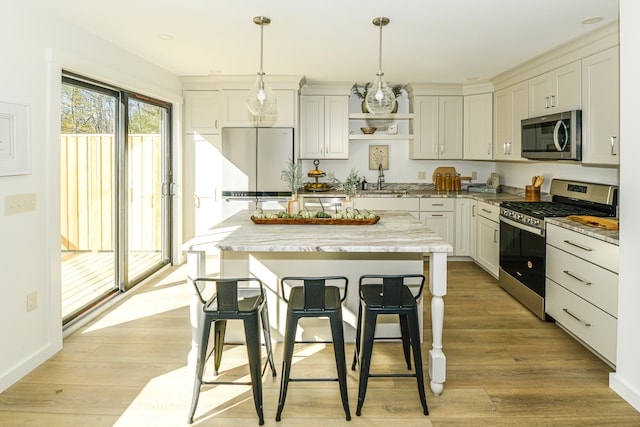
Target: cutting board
[[448, 169], [606, 223], [444, 170]]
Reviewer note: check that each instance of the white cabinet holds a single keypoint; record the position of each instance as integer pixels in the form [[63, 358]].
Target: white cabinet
[[556, 91], [410, 204], [478, 127], [437, 127], [324, 127], [438, 215], [582, 288], [202, 165], [201, 111], [463, 227], [601, 108], [511, 106], [488, 237], [235, 112], [473, 228]]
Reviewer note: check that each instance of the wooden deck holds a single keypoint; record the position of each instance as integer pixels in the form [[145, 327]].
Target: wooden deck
[[88, 277], [505, 367]]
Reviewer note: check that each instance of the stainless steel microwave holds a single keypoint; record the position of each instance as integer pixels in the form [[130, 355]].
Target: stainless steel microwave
[[553, 137]]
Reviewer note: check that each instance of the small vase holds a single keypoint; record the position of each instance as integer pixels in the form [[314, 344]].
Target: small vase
[[293, 205], [347, 204], [363, 106]]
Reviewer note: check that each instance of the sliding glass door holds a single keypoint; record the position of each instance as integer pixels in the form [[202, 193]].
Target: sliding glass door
[[115, 186]]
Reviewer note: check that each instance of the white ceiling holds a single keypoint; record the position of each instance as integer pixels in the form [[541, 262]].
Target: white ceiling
[[334, 40]]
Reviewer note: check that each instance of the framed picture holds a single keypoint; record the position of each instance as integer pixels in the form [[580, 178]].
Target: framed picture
[[378, 155], [15, 144]]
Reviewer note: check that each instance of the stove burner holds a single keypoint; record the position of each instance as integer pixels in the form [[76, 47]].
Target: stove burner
[[534, 213]]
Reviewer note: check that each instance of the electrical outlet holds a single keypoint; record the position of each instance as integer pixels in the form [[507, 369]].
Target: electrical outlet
[[19, 203], [474, 175], [422, 175], [32, 301]]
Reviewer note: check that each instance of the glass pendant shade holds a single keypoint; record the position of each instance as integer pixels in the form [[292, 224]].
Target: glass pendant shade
[[380, 98], [261, 101]]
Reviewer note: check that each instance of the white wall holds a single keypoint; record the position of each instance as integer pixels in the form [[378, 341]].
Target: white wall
[[519, 174], [35, 47], [626, 381]]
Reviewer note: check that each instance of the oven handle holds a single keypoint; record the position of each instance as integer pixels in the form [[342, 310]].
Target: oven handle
[[528, 228]]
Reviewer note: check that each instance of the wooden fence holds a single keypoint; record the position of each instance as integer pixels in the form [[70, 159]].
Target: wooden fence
[[87, 192]]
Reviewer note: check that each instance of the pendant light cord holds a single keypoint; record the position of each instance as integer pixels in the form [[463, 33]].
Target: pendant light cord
[[380, 73]]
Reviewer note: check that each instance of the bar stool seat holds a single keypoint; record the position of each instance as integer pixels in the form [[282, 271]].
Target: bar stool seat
[[234, 298], [388, 294], [313, 297]]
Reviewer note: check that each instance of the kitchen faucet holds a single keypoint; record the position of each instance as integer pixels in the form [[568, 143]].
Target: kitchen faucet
[[380, 177]]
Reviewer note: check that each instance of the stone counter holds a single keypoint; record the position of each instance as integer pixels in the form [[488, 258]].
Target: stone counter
[[610, 236], [397, 231]]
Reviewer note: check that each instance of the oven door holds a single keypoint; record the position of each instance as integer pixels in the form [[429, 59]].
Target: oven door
[[522, 254]]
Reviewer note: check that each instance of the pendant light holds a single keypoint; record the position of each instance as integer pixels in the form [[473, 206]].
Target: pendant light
[[380, 98], [261, 101]]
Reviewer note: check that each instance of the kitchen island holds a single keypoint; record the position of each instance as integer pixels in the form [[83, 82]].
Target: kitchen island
[[395, 245]]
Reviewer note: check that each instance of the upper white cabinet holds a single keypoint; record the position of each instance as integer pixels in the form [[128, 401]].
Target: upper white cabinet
[[437, 127], [556, 91], [510, 108], [236, 114], [201, 112], [478, 127], [324, 127], [601, 108]]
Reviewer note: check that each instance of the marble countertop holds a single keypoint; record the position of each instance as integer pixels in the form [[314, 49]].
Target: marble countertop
[[397, 231], [610, 236], [426, 190]]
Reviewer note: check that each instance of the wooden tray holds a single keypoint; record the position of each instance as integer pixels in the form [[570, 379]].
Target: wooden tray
[[315, 221]]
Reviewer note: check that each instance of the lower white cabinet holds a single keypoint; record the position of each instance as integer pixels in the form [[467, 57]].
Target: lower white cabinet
[[488, 237], [463, 227], [582, 288], [411, 204], [438, 214]]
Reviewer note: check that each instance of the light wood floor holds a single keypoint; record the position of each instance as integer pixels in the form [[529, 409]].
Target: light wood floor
[[504, 368]]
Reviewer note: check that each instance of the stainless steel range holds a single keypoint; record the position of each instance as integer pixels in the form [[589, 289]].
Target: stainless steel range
[[522, 235]]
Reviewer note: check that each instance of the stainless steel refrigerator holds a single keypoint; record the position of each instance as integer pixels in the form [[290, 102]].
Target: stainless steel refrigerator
[[253, 159]]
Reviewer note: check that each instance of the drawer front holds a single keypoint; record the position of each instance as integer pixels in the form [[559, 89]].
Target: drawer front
[[592, 325], [596, 251], [489, 211], [428, 204], [387, 203], [593, 283]]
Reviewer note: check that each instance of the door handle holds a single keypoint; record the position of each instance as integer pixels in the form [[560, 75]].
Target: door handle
[[576, 317], [579, 279], [495, 236], [584, 248], [613, 141]]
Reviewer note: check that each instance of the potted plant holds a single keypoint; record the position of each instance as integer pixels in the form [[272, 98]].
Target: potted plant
[[361, 92], [292, 175], [349, 187]]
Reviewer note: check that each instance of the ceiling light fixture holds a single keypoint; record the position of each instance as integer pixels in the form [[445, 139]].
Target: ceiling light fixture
[[380, 98], [261, 101]]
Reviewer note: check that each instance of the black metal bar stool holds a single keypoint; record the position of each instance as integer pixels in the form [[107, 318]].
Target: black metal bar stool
[[234, 298], [388, 294], [314, 297]]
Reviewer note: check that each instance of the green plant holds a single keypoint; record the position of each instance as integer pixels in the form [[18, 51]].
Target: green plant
[[361, 91], [292, 175], [349, 186]]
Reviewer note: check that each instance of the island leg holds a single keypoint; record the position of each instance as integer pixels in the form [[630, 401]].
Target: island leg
[[196, 266], [438, 288]]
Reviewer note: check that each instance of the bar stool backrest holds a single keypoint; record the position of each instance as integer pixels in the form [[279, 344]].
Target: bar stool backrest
[[228, 292], [392, 286], [314, 289]]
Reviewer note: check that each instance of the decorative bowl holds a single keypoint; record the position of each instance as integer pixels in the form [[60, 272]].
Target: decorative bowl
[[368, 130]]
